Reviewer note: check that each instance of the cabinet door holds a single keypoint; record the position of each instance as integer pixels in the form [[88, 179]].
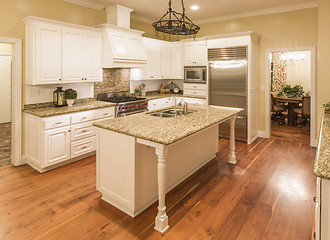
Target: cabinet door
[[146, 71], [189, 54], [48, 54], [165, 62], [176, 62], [156, 62], [92, 57], [73, 55], [56, 145], [201, 53]]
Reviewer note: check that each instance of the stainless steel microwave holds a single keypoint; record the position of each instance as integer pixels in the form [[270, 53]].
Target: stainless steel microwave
[[195, 74]]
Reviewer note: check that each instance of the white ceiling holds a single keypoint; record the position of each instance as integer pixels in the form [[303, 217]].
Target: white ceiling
[[208, 9]]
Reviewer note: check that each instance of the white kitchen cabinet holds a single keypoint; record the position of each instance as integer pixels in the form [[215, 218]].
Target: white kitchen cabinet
[[57, 146], [191, 100], [322, 214], [160, 103], [153, 70], [195, 53], [176, 61], [58, 52], [54, 141], [165, 62], [193, 89], [44, 54]]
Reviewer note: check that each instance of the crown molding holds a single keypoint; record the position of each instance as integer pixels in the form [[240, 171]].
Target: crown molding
[[87, 3], [139, 18], [288, 8]]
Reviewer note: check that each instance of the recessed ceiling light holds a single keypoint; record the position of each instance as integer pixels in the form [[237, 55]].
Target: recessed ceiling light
[[194, 7]]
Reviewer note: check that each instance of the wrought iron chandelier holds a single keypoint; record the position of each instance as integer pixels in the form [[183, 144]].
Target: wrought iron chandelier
[[174, 23]]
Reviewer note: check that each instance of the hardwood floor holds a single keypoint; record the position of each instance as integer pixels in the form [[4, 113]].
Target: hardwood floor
[[267, 195]]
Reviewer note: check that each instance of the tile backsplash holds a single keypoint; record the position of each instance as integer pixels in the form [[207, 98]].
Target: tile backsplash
[[114, 80]]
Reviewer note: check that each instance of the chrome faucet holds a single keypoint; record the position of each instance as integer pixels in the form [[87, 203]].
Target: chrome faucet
[[184, 106]]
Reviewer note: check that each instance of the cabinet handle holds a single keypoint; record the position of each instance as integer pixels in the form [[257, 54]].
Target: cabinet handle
[[151, 76], [105, 114], [83, 118], [154, 104], [85, 78], [82, 78], [314, 235], [83, 147], [194, 92], [314, 199], [82, 131], [58, 123]]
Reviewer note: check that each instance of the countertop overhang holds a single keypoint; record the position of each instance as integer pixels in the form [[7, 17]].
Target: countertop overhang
[[169, 130], [322, 161]]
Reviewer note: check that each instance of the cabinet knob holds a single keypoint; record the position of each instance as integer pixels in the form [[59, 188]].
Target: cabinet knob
[[82, 78], [83, 147], [60, 79], [85, 78]]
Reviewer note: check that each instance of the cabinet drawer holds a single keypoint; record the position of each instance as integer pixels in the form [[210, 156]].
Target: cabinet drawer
[[81, 130], [83, 146], [104, 112], [82, 117], [194, 86], [192, 92], [58, 121]]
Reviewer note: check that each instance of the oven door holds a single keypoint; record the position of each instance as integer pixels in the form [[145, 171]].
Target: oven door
[[123, 114]]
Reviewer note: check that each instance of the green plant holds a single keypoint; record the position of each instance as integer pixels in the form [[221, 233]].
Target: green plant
[[70, 93], [327, 107], [292, 92]]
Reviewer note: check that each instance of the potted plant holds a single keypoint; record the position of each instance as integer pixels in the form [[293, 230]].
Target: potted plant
[[326, 107], [70, 96], [292, 92]]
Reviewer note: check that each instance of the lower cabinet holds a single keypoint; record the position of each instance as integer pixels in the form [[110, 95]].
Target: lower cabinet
[[51, 142], [57, 145], [171, 101]]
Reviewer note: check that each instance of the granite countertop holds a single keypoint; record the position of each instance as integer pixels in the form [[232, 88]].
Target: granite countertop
[[322, 162], [152, 96], [168, 130], [77, 107]]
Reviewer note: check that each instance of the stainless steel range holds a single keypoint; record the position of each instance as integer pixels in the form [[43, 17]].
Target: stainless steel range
[[126, 104]]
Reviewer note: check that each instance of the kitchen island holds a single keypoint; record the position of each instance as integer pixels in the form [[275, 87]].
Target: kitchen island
[[134, 152]]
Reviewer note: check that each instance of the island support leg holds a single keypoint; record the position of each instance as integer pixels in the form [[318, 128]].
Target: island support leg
[[161, 221], [232, 156]]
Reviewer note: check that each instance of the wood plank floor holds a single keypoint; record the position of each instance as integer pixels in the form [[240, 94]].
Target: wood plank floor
[[267, 195]]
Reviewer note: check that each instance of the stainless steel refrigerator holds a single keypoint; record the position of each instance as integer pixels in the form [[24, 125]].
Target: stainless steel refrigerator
[[228, 85]]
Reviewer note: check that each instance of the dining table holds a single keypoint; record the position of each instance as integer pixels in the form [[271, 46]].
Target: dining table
[[292, 103]]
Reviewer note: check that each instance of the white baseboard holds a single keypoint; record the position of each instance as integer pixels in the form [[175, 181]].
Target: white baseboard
[[262, 134]]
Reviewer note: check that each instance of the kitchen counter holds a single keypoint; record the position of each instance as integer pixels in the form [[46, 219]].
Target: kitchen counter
[[322, 162], [168, 130], [47, 111]]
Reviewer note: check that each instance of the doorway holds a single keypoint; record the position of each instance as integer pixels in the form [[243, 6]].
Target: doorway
[[290, 93], [5, 100], [15, 103]]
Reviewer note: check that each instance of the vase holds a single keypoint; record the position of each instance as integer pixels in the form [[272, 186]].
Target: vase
[[70, 102]]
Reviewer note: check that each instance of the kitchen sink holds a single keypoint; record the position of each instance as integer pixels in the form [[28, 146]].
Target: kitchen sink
[[169, 113]]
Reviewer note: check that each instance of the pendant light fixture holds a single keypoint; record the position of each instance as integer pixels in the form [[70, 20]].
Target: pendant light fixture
[[174, 23]]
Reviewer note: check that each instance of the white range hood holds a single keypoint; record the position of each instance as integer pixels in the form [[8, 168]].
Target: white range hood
[[122, 46]]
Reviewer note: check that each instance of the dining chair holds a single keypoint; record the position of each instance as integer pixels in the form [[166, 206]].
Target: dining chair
[[304, 111], [279, 112]]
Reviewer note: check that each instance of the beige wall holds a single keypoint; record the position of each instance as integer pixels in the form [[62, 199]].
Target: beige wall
[[323, 82]]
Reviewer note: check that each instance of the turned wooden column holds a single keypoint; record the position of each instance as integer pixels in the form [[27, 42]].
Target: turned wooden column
[[161, 221], [232, 155]]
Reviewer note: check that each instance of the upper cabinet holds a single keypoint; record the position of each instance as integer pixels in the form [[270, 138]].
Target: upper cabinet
[[195, 53], [58, 53], [164, 61]]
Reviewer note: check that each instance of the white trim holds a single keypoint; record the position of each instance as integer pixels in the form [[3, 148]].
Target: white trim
[[16, 123], [262, 134], [313, 141], [139, 18], [287, 8], [87, 3]]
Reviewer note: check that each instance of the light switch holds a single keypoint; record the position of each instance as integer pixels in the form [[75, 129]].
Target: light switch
[[262, 87]]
